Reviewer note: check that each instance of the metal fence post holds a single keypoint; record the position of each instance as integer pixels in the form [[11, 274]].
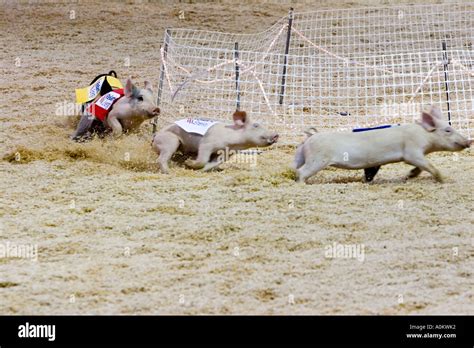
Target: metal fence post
[[285, 62], [446, 62], [162, 74], [237, 74]]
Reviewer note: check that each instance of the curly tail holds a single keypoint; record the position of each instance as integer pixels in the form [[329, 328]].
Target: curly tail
[[299, 157]]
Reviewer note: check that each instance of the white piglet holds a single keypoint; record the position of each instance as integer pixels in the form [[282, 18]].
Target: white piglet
[[407, 143], [240, 135]]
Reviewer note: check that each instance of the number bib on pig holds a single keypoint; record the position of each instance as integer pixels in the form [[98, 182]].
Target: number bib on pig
[[87, 94], [195, 125], [102, 107]]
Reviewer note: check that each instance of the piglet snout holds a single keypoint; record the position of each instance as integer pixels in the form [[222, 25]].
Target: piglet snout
[[273, 139], [464, 144], [156, 111]]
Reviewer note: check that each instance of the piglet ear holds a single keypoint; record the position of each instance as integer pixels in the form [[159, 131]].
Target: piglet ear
[[128, 91], [428, 121], [240, 118], [148, 85], [436, 112]]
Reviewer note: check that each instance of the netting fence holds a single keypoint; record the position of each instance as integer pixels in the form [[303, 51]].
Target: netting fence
[[332, 69]]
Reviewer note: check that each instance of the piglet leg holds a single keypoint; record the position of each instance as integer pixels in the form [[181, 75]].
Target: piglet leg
[[115, 124], [414, 172], [84, 126], [370, 173], [419, 160], [204, 154]]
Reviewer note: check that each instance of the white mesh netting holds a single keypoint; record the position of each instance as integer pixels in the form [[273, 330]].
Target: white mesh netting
[[345, 68]]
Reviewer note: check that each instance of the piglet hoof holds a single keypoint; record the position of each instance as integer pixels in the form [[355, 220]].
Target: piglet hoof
[[300, 180], [212, 169], [368, 180], [370, 173], [193, 164], [414, 173], [163, 168], [189, 163]]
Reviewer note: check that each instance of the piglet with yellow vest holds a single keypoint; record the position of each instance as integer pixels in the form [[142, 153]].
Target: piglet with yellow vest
[[119, 111]]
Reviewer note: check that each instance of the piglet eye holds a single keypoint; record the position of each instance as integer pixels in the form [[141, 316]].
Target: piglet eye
[[140, 98], [448, 130], [256, 125]]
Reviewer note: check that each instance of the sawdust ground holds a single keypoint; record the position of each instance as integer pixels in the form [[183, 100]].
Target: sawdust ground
[[114, 236]]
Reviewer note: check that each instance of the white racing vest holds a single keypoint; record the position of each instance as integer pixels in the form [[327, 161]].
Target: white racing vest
[[195, 125]]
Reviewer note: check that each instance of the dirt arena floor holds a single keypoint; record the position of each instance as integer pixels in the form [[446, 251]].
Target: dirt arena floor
[[116, 237]]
